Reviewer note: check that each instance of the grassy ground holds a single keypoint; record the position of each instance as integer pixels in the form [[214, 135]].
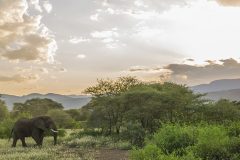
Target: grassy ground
[[62, 151], [47, 151]]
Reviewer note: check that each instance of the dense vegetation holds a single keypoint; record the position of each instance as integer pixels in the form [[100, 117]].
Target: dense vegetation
[[157, 121]]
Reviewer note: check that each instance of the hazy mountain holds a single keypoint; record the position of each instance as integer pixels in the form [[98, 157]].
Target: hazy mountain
[[71, 101], [233, 95], [218, 85]]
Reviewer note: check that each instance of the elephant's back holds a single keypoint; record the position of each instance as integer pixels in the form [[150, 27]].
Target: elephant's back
[[22, 126]]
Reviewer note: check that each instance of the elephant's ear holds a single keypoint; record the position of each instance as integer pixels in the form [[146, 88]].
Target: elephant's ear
[[40, 124]]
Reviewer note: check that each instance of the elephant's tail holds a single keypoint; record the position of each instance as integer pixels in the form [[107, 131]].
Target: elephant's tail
[[10, 136]]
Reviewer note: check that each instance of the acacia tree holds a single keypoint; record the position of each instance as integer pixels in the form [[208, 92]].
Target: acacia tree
[[106, 102], [110, 87], [36, 106]]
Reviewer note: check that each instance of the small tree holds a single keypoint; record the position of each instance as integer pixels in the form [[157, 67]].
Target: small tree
[[3, 110], [61, 118]]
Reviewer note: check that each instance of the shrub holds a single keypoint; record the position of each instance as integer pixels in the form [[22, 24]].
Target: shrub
[[212, 143], [234, 145], [174, 138], [233, 129], [150, 152], [6, 128], [134, 133]]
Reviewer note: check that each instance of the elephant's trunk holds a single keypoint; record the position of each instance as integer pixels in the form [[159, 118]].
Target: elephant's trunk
[[55, 133], [55, 138]]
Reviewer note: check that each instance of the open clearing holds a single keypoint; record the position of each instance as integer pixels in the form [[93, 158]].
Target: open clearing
[[59, 152]]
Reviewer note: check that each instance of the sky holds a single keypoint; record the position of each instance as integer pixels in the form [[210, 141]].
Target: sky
[[59, 46]]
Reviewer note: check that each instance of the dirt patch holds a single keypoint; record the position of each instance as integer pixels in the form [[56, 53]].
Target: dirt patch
[[111, 154]]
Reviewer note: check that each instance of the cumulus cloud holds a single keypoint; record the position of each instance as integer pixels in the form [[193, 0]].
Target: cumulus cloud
[[47, 6], [44, 70], [23, 36], [18, 78], [193, 74], [229, 2], [109, 37], [76, 40], [81, 56], [94, 17]]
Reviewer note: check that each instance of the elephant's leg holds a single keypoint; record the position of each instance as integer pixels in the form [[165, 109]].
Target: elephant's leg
[[23, 142], [41, 138], [36, 136], [14, 141]]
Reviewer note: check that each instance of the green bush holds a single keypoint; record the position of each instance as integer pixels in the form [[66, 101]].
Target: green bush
[[6, 128], [212, 143], [150, 152], [233, 129], [134, 133], [234, 145], [174, 138]]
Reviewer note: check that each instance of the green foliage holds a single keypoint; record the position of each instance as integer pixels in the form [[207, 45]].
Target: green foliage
[[174, 139], [61, 118], [222, 111], [212, 143], [78, 114], [6, 128], [233, 129], [110, 87], [150, 152], [147, 104], [189, 142], [36, 106], [134, 133], [3, 110], [234, 146]]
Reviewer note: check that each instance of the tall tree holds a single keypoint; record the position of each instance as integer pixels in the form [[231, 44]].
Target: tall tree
[[37, 106]]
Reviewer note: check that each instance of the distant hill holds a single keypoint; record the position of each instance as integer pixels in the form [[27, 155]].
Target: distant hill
[[233, 95], [224, 88], [218, 85], [68, 101]]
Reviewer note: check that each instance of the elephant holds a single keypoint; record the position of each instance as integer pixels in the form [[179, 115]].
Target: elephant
[[34, 128]]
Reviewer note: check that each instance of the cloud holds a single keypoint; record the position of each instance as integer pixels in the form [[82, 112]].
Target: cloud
[[18, 78], [76, 40], [109, 37], [94, 17], [229, 2], [47, 6], [44, 70], [81, 56], [192, 74], [62, 70], [22, 36]]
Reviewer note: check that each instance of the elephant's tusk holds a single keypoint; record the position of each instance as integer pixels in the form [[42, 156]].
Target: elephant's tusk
[[54, 131]]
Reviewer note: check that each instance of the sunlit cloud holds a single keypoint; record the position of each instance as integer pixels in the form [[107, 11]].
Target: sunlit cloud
[[76, 40], [22, 36], [18, 78], [94, 17], [191, 74], [47, 6], [81, 56], [229, 2]]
